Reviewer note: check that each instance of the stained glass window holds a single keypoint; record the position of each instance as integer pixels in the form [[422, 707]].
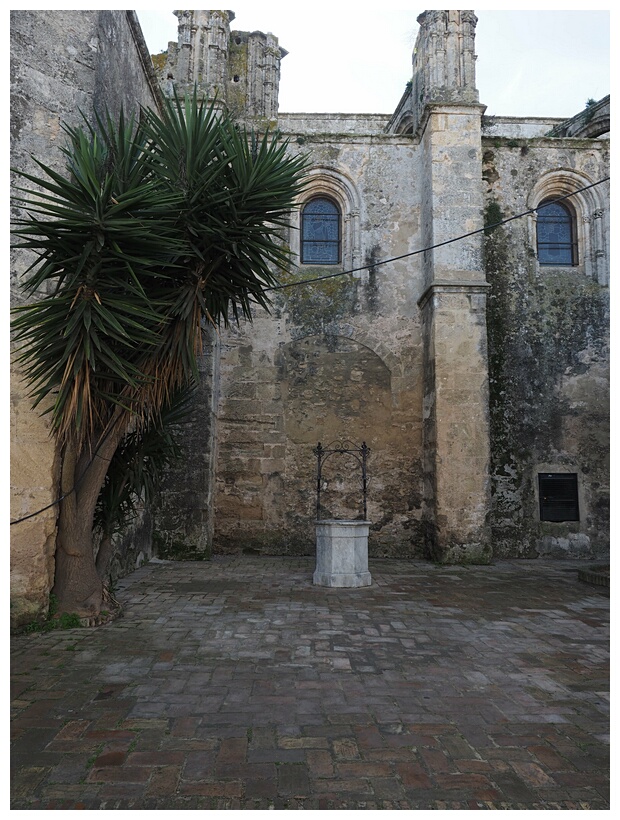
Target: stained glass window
[[320, 232], [555, 236]]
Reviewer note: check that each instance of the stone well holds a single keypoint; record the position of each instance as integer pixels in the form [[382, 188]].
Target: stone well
[[342, 554]]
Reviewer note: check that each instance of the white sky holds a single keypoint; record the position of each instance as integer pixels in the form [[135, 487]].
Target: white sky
[[530, 63]]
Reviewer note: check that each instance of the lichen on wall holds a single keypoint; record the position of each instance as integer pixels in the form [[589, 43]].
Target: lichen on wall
[[548, 368]]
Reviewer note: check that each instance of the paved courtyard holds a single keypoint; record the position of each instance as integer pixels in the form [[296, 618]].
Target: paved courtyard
[[236, 683]]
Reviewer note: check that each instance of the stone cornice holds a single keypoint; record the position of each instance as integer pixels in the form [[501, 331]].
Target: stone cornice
[[452, 286]]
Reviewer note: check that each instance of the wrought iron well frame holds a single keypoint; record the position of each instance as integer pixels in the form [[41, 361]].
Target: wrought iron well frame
[[344, 447]]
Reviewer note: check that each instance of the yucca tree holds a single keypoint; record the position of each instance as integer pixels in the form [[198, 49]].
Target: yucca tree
[[155, 230]]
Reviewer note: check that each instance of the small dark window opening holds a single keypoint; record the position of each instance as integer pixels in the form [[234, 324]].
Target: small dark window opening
[[557, 493], [555, 234], [236, 78], [320, 232]]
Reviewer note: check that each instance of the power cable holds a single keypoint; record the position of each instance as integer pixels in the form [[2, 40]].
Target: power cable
[[333, 276], [431, 247], [75, 487]]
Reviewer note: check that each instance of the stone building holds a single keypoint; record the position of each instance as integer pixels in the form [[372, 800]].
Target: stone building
[[473, 363]]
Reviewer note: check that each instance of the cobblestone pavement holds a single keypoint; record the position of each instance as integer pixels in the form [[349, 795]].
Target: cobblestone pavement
[[236, 683]]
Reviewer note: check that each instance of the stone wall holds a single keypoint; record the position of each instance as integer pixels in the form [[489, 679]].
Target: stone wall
[[517, 127], [398, 355], [419, 357], [341, 358], [62, 63], [183, 514], [549, 348]]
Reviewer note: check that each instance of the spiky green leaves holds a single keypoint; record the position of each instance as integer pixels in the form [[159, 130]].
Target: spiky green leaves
[[155, 229], [237, 190]]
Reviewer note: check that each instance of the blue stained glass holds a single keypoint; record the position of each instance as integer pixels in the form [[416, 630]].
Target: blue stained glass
[[320, 232], [554, 231]]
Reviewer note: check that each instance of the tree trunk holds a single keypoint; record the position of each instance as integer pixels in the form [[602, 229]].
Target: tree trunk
[[77, 585], [104, 557]]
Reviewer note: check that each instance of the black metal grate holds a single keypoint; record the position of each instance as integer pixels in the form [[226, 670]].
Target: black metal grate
[[558, 496], [343, 447]]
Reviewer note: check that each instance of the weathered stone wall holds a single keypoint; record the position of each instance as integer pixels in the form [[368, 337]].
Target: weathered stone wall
[[348, 125], [341, 358], [183, 514], [548, 347], [398, 356], [124, 76], [456, 423], [518, 127], [61, 63]]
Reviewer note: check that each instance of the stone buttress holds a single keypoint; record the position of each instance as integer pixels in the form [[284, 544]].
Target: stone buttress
[[447, 121]]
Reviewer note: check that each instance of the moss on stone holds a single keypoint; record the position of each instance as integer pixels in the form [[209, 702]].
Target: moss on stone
[[159, 60], [315, 305], [540, 320]]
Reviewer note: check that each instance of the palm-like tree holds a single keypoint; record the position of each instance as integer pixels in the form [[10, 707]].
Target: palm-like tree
[[155, 230]]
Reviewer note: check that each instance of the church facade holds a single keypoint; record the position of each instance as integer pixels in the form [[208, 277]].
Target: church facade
[[448, 305], [474, 370]]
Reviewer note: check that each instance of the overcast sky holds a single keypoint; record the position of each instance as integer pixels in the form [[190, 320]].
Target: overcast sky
[[530, 63]]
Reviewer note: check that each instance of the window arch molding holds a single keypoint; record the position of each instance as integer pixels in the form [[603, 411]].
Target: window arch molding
[[590, 223], [327, 183]]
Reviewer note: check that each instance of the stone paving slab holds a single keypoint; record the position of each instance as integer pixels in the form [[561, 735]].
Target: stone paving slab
[[237, 684]]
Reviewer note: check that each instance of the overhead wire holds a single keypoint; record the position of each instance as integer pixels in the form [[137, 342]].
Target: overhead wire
[[369, 266], [373, 265]]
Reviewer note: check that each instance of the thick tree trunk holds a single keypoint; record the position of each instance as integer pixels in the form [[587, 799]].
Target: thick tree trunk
[[77, 585]]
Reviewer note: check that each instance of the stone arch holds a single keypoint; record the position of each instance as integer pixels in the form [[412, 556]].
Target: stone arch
[[333, 388], [591, 217], [367, 339], [403, 124], [597, 127], [324, 181]]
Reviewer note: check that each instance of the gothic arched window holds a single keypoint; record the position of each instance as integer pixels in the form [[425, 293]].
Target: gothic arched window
[[555, 234], [320, 232]]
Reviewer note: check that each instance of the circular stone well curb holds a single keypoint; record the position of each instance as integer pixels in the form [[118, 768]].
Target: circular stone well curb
[[595, 575]]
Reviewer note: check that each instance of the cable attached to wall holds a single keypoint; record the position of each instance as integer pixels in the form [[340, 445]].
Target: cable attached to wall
[[333, 276], [431, 247], [75, 487]]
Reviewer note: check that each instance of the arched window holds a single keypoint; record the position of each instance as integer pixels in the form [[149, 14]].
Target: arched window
[[555, 234], [320, 232], [586, 222]]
